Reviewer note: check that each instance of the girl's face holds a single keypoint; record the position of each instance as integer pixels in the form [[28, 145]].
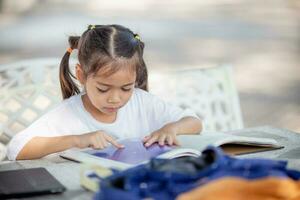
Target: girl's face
[[109, 93]]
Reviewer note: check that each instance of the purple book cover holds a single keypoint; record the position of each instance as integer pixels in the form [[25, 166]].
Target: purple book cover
[[134, 151]]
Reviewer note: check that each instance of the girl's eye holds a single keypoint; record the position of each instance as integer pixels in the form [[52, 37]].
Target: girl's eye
[[126, 89], [102, 91]]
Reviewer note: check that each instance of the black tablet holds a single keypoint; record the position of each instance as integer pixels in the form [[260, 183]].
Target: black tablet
[[28, 182]]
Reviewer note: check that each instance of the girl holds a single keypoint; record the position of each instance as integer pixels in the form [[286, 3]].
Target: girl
[[114, 103]]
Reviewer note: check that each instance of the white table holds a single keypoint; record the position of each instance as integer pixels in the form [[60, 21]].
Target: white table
[[67, 172]]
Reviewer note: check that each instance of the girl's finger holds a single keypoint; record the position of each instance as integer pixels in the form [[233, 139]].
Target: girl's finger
[[161, 140], [151, 140], [146, 138], [169, 140], [113, 142], [96, 144], [99, 142], [105, 143]]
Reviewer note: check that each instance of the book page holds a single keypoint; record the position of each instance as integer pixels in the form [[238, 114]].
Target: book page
[[200, 142], [179, 152], [134, 152]]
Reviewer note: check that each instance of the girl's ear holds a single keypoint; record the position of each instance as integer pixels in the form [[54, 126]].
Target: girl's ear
[[79, 74]]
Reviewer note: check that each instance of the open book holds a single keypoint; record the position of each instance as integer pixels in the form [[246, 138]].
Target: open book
[[136, 153]]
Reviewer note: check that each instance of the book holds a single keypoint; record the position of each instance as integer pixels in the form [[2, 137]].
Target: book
[[136, 153]]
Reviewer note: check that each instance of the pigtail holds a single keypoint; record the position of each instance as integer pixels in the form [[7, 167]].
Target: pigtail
[[142, 72], [68, 86], [142, 76]]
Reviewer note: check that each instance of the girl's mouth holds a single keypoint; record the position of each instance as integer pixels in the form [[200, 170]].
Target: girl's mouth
[[111, 110]]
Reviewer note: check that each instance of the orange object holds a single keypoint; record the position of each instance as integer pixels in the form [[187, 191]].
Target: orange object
[[69, 50], [270, 188]]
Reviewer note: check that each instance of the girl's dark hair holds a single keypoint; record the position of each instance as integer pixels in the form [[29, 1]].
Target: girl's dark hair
[[104, 45]]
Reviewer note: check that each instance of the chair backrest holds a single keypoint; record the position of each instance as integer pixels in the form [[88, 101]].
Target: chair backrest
[[28, 89], [210, 92]]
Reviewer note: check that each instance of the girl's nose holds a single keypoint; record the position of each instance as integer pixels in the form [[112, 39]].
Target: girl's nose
[[114, 98], [113, 101]]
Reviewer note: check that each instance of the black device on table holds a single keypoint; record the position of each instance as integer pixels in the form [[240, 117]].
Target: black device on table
[[28, 182]]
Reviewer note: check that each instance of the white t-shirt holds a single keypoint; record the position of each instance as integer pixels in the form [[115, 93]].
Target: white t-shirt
[[143, 114]]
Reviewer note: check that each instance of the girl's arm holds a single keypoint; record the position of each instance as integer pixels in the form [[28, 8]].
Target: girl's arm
[[39, 147], [167, 134]]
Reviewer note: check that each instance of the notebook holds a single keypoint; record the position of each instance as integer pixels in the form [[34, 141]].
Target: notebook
[[28, 182]]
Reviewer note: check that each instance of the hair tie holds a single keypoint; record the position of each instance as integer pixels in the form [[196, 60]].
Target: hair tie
[[91, 27], [69, 50], [136, 36]]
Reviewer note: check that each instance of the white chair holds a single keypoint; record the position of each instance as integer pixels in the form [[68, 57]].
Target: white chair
[[28, 89], [210, 92]]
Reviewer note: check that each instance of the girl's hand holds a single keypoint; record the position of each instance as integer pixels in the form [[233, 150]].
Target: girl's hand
[[96, 140], [165, 135]]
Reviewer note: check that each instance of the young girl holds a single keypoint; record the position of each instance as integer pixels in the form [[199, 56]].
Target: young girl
[[114, 104]]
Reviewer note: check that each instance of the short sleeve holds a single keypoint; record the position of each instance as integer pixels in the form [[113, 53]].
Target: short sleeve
[[38, 128]]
